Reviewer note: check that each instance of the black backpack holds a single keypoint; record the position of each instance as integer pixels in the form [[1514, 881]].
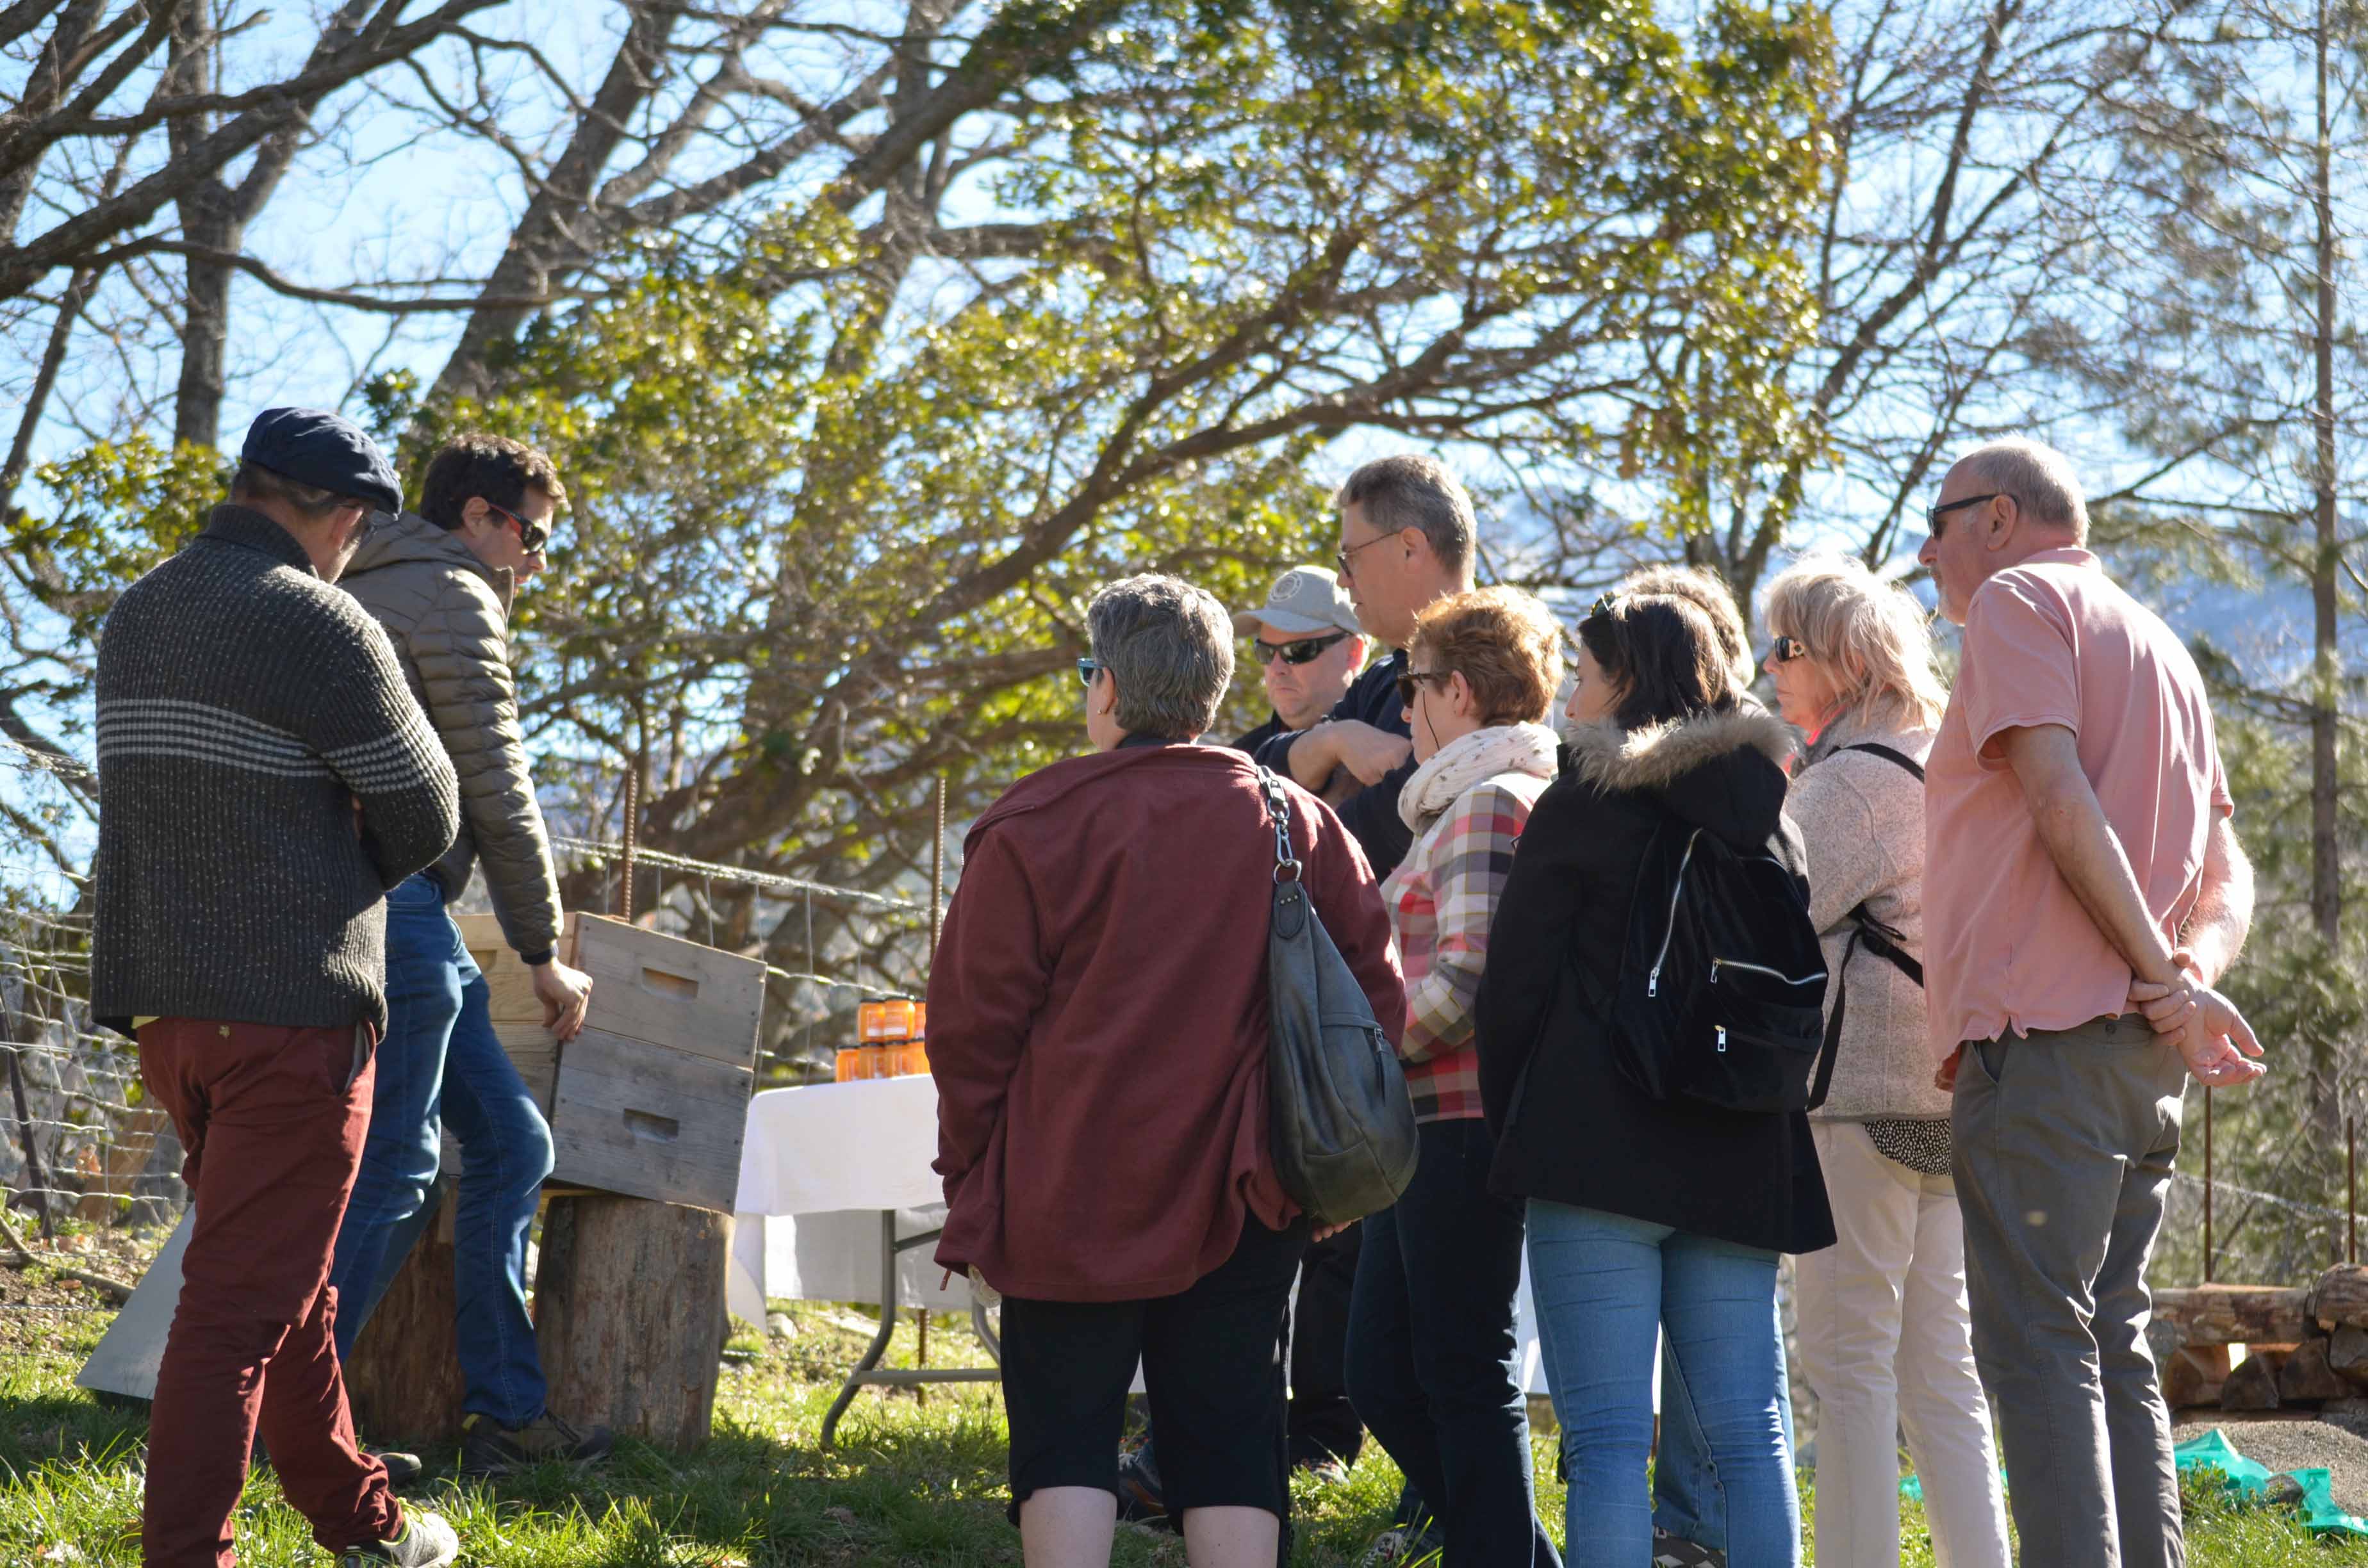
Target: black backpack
[[1722, 984]]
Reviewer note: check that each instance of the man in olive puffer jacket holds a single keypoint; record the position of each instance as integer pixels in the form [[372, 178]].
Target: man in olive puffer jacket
[[440, 581]]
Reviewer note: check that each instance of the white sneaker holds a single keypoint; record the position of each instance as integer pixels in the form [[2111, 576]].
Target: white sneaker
[[427, 1541]]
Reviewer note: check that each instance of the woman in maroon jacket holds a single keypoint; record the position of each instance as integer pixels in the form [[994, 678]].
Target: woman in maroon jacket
[[1098, 1031]]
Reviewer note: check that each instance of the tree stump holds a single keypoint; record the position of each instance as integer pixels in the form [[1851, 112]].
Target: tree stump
[[2306, 1376], [629, 1315], [2252, 1386], [404, 1377]]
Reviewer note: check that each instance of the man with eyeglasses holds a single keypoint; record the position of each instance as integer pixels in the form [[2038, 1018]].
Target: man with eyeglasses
[[2083, 893], [1309, 648], [1406, 542], [440, 582]]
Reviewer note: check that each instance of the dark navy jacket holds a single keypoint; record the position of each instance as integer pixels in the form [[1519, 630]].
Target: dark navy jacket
[[1371, 813]]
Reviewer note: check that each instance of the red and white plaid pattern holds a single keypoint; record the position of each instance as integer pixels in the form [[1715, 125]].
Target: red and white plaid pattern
[[1440, 900]]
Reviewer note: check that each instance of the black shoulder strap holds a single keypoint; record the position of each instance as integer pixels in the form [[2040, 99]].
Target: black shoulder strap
[[1876, 748], [1884, 943]]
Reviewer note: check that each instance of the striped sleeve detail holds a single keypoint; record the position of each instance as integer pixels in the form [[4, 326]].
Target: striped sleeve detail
[[393, 761], [199, 732]]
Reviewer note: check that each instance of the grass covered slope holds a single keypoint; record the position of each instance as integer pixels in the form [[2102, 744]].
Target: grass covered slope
[[913, 1481]]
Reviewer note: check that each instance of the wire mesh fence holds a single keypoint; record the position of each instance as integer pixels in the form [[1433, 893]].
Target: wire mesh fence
[[86, 1147], [81, 1145]]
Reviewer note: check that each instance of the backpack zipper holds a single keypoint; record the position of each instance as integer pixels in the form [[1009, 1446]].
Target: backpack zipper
[[1761, 968], [1653, 980]]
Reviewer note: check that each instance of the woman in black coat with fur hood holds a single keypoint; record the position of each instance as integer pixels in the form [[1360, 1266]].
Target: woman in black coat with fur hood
[[1644, 1213]]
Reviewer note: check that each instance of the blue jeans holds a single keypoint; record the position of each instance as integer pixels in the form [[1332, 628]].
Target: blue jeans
[[441, 1063], [1686, 1498], [1431, 1358], [1606, 1286]]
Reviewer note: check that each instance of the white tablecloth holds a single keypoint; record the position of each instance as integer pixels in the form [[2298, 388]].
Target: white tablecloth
[[818, 1166]]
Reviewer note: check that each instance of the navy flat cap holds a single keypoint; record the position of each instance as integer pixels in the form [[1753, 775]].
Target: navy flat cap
[[314, 447]]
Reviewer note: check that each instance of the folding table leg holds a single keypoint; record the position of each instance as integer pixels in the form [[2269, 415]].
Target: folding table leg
[[888, 1304]]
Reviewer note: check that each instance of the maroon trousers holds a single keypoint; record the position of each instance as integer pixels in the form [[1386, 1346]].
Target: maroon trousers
[[272, 1119]]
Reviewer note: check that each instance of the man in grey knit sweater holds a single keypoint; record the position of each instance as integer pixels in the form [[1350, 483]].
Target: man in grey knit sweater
[[265, 775]]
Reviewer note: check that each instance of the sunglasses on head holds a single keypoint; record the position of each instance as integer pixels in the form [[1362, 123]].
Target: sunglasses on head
[[1303, 651], [532, 536]]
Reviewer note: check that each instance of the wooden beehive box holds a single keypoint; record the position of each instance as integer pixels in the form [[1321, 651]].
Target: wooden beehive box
[[650, 1100]]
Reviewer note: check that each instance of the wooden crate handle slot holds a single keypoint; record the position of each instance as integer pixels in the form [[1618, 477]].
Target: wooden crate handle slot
[[680, 987], [652, 1128]]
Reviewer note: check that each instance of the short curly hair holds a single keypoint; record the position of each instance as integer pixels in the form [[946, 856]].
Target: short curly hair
[[495, 467], [1505, 644]]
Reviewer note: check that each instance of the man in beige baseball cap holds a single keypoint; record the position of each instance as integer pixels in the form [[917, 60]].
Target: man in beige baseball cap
[[1307, 643]]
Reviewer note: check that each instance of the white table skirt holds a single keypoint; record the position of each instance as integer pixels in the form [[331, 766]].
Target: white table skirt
[[821, 1162]]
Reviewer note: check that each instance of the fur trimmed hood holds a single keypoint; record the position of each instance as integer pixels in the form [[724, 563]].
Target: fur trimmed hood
[[1721, 771]]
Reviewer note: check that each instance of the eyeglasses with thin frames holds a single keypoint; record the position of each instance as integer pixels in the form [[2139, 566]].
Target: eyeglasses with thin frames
[[1342, 556], [1412, 681]]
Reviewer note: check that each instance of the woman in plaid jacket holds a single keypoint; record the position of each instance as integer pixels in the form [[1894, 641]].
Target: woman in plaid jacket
[[1430, 1353]]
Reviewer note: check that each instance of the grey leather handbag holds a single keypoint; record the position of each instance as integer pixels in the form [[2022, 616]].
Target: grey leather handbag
[[1342, 1125]]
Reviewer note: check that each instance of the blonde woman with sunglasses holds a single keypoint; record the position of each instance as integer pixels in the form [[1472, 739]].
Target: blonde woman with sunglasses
[[1884, 1333]]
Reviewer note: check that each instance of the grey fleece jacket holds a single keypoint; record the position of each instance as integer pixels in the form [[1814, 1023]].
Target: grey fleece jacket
[[448, 614], [1861, 818]]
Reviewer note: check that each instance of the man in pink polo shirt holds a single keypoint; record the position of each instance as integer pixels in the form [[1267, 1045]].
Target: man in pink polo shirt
[[2083, 891]]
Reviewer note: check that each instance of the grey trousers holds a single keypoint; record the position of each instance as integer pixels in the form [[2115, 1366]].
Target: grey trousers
[[2063, 1148]]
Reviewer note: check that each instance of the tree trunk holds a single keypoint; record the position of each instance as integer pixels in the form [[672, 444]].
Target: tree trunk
[[404, 1377], [2327, 668], [205, 328], [629, 1315]]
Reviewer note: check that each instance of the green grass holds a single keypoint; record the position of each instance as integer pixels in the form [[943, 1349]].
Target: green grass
[[914, 1480]]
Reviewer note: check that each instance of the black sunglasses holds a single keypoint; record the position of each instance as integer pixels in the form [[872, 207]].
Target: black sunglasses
[[1410, 682], [532, 536], [1784, 649], [1939, 509], [1305, 651], [1086, 670]]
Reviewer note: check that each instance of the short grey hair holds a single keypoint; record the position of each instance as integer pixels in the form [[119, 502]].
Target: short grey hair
[[2041, 479], [1411, 491], [1170, 647], [253, 482]]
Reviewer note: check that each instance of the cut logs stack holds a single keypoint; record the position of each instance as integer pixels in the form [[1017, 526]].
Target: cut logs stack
[[2249, 1347]]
